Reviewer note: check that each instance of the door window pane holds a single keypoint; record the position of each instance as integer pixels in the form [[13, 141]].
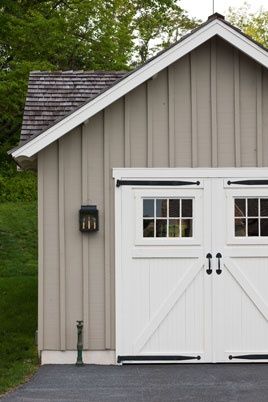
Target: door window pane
[[264, 207], [148, 208], [174, 228], [161, 228], [161, 208], [148, 228], [186, 228], [253, 207], [240, 227], [264, 227], [187, 208], [253, 227], [174, 208], [240, 207]]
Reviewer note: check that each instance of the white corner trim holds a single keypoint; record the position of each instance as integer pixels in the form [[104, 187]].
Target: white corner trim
[[106, 357], [150, 69]]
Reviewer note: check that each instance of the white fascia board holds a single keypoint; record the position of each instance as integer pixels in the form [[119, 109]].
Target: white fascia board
[[243, 43], [216, 27]]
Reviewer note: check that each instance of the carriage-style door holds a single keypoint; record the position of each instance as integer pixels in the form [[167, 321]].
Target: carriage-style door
[[191, 269]]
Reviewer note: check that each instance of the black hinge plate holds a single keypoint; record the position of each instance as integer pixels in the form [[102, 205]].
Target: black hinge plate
[[249, 182], [139, 358], [156, 183], [249, 357]]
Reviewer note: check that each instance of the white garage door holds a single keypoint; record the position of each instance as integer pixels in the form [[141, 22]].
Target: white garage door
[[192, 269]]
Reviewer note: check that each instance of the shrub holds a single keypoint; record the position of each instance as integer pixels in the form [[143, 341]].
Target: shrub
[[19, 187]]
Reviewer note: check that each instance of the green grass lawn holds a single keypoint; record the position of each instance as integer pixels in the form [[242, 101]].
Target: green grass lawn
[[18, 292]]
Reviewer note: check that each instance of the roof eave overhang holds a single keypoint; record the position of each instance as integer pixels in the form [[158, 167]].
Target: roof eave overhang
[[214, 28], [26, 163]]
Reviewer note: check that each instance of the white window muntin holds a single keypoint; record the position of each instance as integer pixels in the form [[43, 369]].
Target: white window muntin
[[197, 215], [169, 219], [247, 193], [252, 221]]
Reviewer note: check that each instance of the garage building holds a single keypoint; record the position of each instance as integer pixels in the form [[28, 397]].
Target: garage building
[[153, 204]]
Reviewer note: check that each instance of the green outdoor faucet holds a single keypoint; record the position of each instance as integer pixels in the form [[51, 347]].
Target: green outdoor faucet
[[79, 361]]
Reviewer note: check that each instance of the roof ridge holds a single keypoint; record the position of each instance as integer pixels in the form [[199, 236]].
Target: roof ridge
[[62, 72], [216, 16]]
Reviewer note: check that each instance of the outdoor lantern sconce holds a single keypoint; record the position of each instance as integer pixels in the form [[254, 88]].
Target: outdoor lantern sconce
[[88, 218]]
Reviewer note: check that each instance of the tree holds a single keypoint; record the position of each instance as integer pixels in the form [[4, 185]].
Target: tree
[[76, 34], [253, 24], [156, 25]]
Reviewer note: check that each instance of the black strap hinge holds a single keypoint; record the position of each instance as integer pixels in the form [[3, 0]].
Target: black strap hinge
[[249, 357], [249, 182], [156, 183], [147, 358]]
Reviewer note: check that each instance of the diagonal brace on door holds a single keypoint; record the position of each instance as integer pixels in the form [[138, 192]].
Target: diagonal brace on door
[[244, 283], [167, 305]]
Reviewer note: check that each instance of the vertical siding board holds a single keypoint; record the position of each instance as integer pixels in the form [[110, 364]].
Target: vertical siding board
[[159, 107], [71, 145], [85, 240], [107, 240], [149, 124], [248, 106], [225, 104], [127, 131], [41, 300], [95, 196], [259, 117], [137, 112], [62, 289], [116, 158], [265, 118], [193, 67], [203, 91], [114, 155], [237, 109], [182, 111], [51, 286], [171, 115], [213, 92]]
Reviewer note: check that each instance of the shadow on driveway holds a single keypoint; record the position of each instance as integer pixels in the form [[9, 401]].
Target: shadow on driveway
[[154, 383]]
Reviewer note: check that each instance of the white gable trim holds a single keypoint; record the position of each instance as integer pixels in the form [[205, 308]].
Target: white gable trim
[[215, 27]]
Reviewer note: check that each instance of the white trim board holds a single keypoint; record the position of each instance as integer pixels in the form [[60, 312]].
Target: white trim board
[[215, 27], [171, 173], [69, 357]]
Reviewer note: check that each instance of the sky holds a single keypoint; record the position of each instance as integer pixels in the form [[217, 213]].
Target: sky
[[203, 8]]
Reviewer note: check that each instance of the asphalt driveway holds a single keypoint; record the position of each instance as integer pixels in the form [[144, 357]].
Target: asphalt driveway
[[154, 383]]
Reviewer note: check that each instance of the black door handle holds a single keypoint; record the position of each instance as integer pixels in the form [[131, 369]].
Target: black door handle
[[209, 270], [219, 270]]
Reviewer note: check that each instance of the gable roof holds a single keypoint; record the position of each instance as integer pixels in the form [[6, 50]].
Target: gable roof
[[53, 95], [214, 26]]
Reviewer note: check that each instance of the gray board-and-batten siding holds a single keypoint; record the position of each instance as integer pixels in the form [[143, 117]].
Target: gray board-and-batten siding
[[209, 109]]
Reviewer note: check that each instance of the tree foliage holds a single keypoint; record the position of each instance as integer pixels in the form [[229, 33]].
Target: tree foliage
[[253, 24], [75, 35]]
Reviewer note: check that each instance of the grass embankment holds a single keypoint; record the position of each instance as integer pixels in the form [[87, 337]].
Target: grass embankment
[[18, 292]]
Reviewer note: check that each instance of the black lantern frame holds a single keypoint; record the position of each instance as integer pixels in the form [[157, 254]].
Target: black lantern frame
[[88, 218]]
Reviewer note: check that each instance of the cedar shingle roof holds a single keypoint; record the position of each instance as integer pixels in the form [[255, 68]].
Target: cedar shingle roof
[[53, 95]]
